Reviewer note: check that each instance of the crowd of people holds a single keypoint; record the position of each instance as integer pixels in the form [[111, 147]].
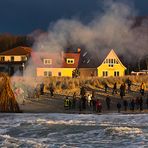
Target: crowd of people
[[90, 102]]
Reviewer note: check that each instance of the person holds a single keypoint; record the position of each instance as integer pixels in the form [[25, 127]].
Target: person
[[108, 100], [98, 106], [118, 107], [132, 104], [42, 88], [51, 90], [125, 104], [122, 90], [82, 91], [105, 87], [142, 88], [83, 98], [141, 103], [67, 103], [74, 100], [129, 83], [89, 100], [147, 101], [114, 88], [137, 102]]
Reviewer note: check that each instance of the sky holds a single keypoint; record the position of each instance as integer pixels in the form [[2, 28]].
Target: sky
[[24, 16]]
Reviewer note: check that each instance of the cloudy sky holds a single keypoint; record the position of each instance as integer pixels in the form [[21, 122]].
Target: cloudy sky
[[25, 16]]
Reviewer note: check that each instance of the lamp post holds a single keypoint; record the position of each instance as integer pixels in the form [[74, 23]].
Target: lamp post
[[23, 65]]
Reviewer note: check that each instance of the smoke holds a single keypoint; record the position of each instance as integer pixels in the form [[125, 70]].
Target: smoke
[[114, 28]]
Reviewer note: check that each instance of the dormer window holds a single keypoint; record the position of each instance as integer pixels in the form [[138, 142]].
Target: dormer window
[[47, 61], [69, 61]]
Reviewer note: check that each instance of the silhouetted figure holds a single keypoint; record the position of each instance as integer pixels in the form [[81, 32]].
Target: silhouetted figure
[[118, 107], [147, 101], [108, 100], [137, 102], [129, 83], [141, 103], [82, 91], [51, 89], [125, 104], [98, 106], [114, 88], [42, 88], [74, 101], [122, 91], [132, 104], [105, 87], [83, 102], [94, 104]]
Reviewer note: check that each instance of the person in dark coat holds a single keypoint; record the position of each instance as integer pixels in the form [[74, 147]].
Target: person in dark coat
[[125, 104], [129, 83], [147, 101], [108, 100], [137, 102], [132, 104], [42, 88], [118, 107], [122, 90], [141, 103], [105, 87], [98, 106], [51, 90], [114, 88]]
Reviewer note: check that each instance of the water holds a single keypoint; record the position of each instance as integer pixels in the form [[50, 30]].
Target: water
[[74, 130]]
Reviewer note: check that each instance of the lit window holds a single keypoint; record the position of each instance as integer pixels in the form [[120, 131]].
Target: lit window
[[12, 58], [23, 58], [116, 73], [70, 61], [47, 61], [47, 73], [105, 73], [2, 58]]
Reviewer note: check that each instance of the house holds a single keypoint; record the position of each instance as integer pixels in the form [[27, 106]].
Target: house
[[87, 64], [55, 64], [111, 66], [14, 60]]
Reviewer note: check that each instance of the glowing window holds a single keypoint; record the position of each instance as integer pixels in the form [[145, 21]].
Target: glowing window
[[70, 61], [47, 61]]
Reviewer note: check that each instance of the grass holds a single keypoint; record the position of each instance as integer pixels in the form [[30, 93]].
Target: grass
[[67, 85]]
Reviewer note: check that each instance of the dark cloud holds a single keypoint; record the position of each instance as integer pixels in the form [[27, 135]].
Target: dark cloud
[[24, 16]]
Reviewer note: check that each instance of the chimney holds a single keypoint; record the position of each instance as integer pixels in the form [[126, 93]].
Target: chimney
[[79, 50]]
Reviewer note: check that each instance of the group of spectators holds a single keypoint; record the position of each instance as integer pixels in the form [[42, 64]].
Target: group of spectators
[[91, 103]]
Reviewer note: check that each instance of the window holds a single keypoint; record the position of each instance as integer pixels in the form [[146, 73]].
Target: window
[[12, 58], [23, 58], [59, 74], [116, 73], [2, 58], [47, 73], [47, 61], [105, 73], [70, 61]]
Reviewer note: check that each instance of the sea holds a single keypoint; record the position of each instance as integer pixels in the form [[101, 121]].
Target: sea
[[54, 130]]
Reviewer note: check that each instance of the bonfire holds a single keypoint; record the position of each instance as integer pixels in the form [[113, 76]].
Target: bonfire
[[8, 101]]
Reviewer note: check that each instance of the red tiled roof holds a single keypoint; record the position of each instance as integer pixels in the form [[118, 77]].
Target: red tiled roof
[[18, 51], [58, 59]]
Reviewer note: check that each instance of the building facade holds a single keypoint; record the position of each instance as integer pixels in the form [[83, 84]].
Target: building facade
[[111, 66]]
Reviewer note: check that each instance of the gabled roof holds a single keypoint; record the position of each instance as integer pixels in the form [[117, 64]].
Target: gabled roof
[[58, 59], [113, 55], [20, 50]]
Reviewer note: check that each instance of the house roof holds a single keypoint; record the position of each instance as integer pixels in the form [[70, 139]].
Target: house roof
[[58, 59], [112, 55], [20, 50], [88, 59]]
